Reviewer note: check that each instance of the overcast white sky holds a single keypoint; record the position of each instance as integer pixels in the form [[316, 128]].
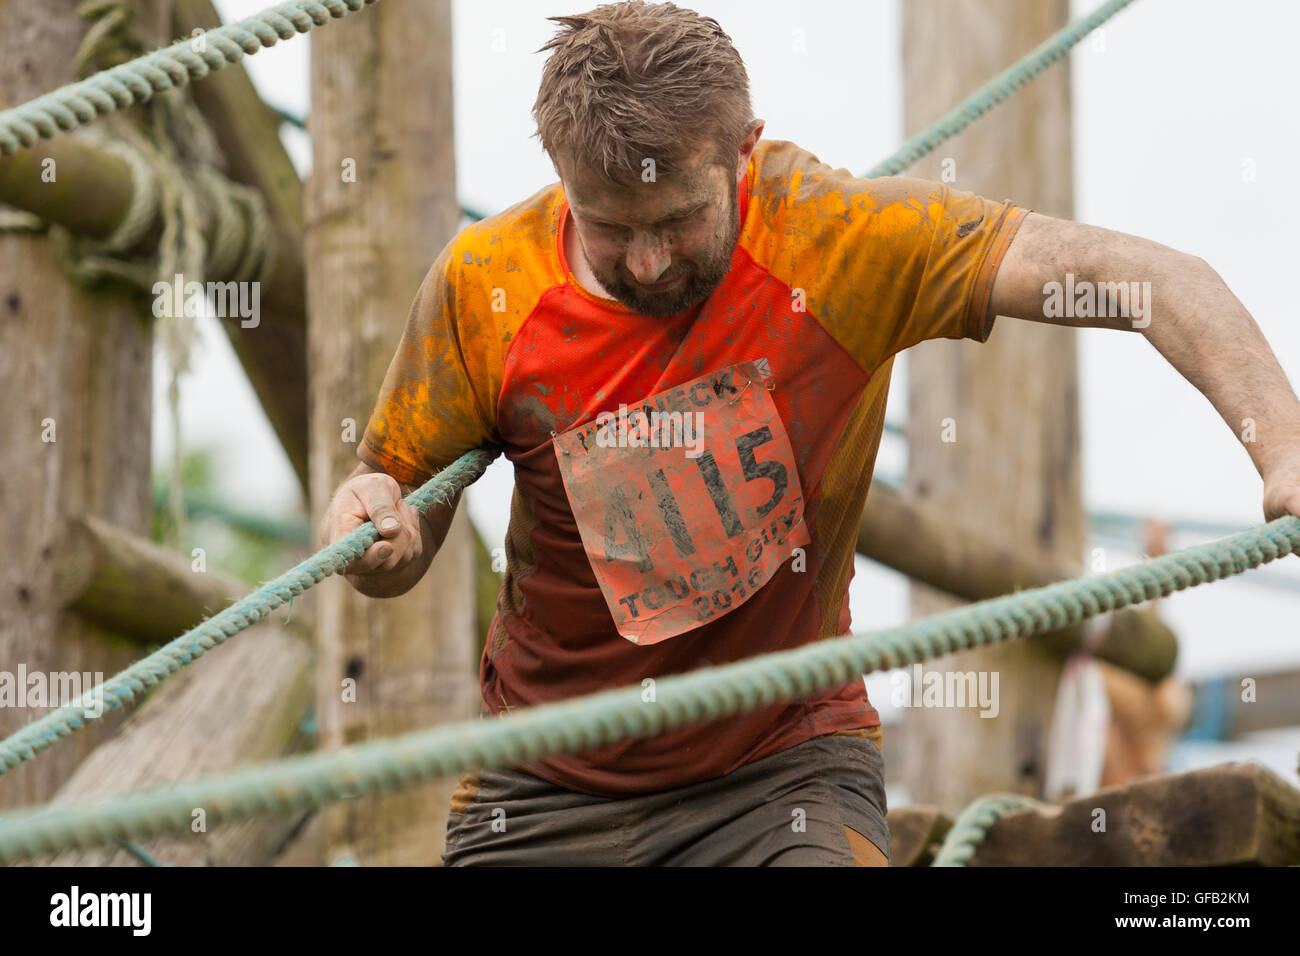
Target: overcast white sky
[[1183, 93]]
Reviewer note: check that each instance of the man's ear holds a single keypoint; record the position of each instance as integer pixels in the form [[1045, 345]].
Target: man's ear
[[747, 147]]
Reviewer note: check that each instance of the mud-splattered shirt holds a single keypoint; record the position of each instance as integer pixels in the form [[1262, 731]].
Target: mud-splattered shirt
[[830, 278]]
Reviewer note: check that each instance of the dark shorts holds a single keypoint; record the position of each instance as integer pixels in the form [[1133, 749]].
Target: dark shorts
[[820, 803]]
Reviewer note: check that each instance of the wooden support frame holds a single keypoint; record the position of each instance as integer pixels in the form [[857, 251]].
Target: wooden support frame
[[917, 538], [131, 586]]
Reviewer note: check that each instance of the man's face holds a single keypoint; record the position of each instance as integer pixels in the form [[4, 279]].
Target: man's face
[[657, 247]]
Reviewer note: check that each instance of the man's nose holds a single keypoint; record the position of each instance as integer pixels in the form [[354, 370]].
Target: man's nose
[[648, 257]]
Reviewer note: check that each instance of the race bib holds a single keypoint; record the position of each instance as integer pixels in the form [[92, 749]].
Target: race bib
[[687, 503]]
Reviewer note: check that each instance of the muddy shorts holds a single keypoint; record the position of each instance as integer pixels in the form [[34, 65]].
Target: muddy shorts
[[819, 803]]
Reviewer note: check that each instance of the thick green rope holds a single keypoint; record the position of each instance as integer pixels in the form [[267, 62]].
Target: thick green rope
[[973, 824], [244, 613], [136, 81], [587, 723], [996, 90]]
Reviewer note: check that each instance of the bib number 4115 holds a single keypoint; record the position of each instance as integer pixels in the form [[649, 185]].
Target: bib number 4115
[[633, 545]]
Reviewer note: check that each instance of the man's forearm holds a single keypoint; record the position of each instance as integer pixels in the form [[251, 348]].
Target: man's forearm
[[1204, 331], [1189, 315]]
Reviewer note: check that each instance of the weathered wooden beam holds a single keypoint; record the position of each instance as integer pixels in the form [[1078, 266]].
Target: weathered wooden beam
[[915, 834], [134, 587], [1228, 815], [1137, 641], [919, 539], [382, 97], [244, 704], [73, 162]]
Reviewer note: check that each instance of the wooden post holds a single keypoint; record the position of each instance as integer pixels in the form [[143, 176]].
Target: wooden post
[[1013, 470], [380, 205], [74, 438]]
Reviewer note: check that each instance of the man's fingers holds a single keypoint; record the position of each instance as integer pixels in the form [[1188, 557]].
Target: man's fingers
[[380, 495], [396, 521], [406, 543], [385, 554], [372, 560]]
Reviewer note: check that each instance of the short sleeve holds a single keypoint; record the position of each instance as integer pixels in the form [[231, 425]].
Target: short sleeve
[[430, 409], [960, 241], [885, 263]]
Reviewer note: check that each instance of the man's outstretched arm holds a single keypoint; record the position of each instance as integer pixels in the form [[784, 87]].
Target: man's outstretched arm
[[1186, 312]]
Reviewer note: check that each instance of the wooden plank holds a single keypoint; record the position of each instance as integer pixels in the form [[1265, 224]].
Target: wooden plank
[[1230, 815], [928, 543], [1013, 471]]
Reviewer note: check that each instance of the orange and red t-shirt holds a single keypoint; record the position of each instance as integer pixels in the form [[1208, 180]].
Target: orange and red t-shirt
[[665, 563]]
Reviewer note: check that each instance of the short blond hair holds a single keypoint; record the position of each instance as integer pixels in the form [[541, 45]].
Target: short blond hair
[[635, 80]]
